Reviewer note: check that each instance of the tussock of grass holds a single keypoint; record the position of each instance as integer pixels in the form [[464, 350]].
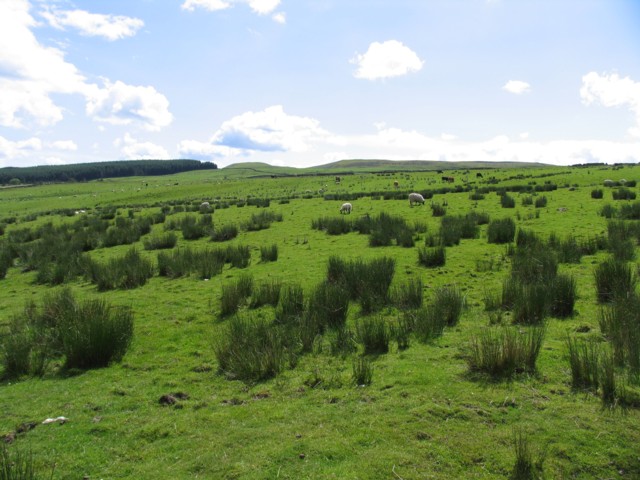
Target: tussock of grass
[[501, 231], [432, 257], [505, 351], [373, 334], [614, 280], [362, 371], [251, 351], [88, 334], [235, 294], [408, 295]]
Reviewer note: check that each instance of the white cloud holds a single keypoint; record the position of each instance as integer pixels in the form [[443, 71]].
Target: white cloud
[[331, 157], [24, 101], [30, 73], [261, 7], [132, 149], [612, 91], [211, 5], [111, 27], [54, 161], [517, 86], [205, 150], [67, 145], [279, 17], [269, 130], [121, 104], [387, 59], [397, 144], [272, 134], [10, 150]]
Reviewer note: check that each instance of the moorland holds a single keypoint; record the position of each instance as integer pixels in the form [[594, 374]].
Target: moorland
[[232, 323]]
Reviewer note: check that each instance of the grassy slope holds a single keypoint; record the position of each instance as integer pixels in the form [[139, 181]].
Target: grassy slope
[[342, 167], [423, 417]]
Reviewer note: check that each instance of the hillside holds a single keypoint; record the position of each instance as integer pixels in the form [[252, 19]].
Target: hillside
[[264, 334], [81, 172], [419, 165], [257, 169]]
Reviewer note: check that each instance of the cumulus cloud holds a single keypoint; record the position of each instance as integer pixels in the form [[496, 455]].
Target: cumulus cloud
[[111, 27], [132, 149], [516, 86], [612, 91], [268, 130], [121, 104], [11, 150], [279, 17], [272, 134], [67, 145], [22, 102], [261, 7], [398, 144], [30, 73], [206, 151], [385, 60]]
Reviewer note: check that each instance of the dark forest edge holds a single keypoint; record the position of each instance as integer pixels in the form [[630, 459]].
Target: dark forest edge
[[82, 172]]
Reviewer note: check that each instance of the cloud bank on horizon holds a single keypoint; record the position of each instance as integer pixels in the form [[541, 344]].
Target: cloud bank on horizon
[[306, 83]]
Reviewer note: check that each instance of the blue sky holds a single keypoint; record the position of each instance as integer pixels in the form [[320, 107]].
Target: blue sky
[[308, 82]]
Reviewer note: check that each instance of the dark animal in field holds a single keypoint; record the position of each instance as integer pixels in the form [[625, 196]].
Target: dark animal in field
[[337, 179], [415, 198], [396, 185], [346, 208], [479, 175], [448, 179]]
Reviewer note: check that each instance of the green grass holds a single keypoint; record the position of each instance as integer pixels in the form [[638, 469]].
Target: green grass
[[424, 414]]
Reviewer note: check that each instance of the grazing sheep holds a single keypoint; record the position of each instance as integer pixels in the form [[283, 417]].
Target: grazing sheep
[[205, 205], [415, 198], [346, 208], [609, 183]]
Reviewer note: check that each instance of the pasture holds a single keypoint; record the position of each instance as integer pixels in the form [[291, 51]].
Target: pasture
[[185, 402]]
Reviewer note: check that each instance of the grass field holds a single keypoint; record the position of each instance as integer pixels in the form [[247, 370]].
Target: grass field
[[166, 410]]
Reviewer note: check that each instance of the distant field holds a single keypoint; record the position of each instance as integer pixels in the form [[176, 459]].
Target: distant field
[[429, 411]]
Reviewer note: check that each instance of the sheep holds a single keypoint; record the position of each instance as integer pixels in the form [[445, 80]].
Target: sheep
[[205, 205], [396, 185], [415, 198], [346, 208], [609, 183]]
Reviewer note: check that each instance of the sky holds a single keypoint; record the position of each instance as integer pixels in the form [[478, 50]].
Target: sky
[[308, 82]]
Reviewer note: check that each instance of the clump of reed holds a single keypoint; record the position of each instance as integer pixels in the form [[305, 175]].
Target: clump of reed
[[505, 351], [252, 350], [87, 334]]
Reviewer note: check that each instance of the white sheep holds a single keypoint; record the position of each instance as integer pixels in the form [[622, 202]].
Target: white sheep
[[346, 208], [415, 198]]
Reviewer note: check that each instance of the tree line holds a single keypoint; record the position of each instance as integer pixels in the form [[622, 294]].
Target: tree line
[[81, 172]]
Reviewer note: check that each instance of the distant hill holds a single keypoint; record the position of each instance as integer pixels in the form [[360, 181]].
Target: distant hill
[[258, 169], [80, 172], [407, 165]]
